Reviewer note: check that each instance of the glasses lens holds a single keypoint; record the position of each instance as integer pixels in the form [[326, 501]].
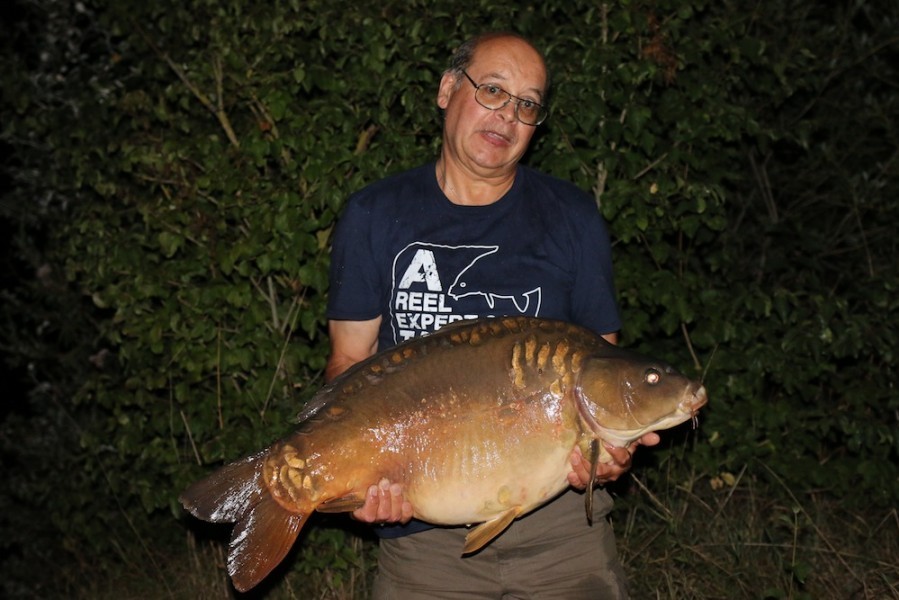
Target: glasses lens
[[529, 112], [491, 96], [495, 97]]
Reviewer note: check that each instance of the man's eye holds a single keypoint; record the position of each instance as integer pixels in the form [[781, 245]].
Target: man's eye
[[493, 90], [528, 105]]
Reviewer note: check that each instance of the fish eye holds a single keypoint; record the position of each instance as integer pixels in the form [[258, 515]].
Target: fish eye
[[652, 376]]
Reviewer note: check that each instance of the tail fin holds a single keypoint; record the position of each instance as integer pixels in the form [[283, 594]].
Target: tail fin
[[226, 495], [264, 530], [260, 541]]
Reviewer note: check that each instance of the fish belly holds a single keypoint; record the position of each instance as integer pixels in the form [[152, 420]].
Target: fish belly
[[468, 487]]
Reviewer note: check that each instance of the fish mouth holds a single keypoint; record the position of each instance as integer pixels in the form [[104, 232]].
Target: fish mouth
[[697, 399]]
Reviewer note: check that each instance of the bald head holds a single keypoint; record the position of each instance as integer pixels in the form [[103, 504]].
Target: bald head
[[465, 54]]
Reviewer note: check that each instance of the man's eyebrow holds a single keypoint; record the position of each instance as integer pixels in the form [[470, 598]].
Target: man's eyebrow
[[537, 91]]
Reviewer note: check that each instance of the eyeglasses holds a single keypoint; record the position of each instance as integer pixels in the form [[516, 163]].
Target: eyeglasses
[[493, 97]]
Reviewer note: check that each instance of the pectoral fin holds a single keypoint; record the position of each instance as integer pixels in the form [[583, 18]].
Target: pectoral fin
[[594, 463], [478, 537], [347, 503]]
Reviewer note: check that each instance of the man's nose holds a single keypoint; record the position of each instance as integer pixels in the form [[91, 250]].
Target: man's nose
[[508, 111]]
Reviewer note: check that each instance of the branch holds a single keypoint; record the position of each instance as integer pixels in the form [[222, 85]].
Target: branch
[[219, 111], [650, 166], [696, 363]]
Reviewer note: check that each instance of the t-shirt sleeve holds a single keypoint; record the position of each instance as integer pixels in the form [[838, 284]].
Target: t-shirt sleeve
[[593, 303], [355, 292]]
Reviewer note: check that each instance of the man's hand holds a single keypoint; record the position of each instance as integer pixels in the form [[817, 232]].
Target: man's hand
[[384, 503], [579, 477]]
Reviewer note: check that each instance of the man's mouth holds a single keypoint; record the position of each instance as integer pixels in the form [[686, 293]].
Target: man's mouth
[[496, 136]]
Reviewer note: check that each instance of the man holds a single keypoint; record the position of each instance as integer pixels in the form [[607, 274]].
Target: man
[[477, 234]]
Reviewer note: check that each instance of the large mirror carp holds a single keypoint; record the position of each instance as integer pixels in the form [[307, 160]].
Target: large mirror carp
[[477, 421]]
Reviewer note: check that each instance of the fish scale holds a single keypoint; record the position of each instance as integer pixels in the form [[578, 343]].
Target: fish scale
[[477, 422]]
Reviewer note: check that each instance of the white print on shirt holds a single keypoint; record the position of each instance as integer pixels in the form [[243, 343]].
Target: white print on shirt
[[419, 302]]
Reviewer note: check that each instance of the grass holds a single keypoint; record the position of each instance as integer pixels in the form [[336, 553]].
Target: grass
[[697, 538], [756, 540]]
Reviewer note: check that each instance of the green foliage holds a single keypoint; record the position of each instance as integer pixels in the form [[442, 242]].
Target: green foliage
[[178, 169]]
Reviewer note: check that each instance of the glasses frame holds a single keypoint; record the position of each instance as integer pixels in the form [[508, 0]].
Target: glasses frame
[[544, 114]]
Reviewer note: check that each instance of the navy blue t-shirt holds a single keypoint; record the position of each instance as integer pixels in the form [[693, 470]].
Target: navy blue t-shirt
[[404, 252]]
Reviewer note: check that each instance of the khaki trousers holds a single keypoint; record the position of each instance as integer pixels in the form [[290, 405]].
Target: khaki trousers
[[551, 553]]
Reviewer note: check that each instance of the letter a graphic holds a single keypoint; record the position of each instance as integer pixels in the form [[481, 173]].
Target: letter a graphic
[[422, 268]]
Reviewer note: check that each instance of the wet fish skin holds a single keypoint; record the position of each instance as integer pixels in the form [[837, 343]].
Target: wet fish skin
[[477, 421]]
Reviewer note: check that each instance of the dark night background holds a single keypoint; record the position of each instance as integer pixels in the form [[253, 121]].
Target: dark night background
[[171, 172]]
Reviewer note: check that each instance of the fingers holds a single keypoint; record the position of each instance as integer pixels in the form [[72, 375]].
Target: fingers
[[368, 513], [649, 439], [579, 476], [384, 503], [621, 460], [405, 512], [621, 456]]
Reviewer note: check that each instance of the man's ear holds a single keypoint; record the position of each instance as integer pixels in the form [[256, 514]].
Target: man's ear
[[446, 89]]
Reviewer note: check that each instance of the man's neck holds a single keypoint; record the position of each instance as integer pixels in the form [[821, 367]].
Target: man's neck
[[462, 187]]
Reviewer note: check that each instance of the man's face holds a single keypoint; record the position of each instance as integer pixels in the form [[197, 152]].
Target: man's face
[[491, 142]]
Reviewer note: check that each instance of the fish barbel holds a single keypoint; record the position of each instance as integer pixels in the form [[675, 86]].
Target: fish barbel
[[477, 422]]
